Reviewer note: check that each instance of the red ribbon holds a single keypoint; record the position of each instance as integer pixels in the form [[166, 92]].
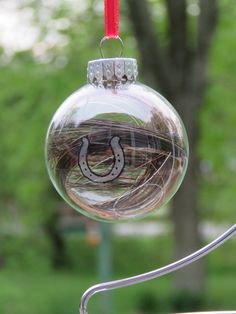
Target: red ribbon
[[111, 19]]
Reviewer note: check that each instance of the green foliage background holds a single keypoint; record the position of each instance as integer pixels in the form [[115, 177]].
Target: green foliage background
[[32, 86], [218, 120]]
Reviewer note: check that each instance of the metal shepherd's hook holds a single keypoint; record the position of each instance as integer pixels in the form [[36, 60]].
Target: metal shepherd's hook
[[157, 272]]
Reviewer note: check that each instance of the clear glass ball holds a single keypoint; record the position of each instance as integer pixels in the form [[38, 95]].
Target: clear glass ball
[[116, 154]]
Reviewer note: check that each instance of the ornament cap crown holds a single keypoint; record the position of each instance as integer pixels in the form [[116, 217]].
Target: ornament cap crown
[[112, 72]]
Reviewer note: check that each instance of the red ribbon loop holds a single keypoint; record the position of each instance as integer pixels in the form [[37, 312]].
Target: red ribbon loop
[[111, 19]]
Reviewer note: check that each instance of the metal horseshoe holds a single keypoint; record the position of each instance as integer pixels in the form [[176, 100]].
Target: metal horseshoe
[[116, 169]]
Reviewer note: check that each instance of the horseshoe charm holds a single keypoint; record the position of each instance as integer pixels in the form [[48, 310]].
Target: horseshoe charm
[[119, 161]]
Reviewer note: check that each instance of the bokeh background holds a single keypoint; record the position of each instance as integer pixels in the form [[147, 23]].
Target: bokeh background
[[49, 254]]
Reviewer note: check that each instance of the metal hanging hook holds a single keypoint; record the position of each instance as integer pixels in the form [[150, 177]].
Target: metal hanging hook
[[104, 39], [157, 272]]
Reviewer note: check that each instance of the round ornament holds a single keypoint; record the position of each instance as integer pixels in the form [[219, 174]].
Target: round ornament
[[116, 149]]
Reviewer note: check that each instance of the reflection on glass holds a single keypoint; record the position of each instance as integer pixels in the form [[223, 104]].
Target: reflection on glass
[[115, 154]]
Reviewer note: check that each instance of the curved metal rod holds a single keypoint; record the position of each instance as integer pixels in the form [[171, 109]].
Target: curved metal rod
[[104, 39], [157, 272]]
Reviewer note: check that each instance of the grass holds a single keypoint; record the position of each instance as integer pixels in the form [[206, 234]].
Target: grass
[[59, 293], [27, 293], [38, 290]]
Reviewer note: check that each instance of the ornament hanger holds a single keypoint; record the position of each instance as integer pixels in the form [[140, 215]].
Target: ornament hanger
[[104, 39], [112, 21], [107, 286]]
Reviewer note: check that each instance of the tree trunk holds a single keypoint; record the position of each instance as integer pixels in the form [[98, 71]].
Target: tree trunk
[[179, 71], [2, 261], [185, 207], [58, 256]]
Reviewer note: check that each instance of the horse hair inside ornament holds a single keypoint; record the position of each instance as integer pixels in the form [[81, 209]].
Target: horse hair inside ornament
[[116, 150]]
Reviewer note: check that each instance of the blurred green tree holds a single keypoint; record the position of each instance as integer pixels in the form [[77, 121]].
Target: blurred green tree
[[33, 84]]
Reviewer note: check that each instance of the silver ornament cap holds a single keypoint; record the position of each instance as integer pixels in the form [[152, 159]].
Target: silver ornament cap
[[112, 72]]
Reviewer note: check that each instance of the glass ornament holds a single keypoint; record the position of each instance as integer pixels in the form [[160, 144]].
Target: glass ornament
[[116, 149]]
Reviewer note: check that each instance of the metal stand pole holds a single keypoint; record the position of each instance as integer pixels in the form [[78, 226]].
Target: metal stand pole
[[104, 264]]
